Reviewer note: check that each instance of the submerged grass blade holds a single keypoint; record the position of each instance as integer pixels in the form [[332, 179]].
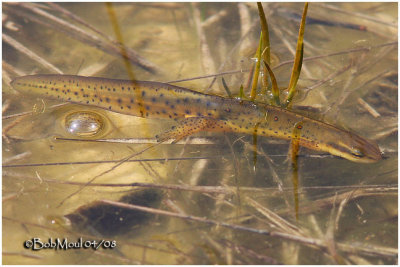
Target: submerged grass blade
[[298, 59], [23, 49], [265, 48], [265, 34], [275, 89], [256, 71], [226, 88], [122, 47], [241, 92]]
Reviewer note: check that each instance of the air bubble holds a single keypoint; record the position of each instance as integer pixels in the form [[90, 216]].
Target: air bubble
[[84, 124]]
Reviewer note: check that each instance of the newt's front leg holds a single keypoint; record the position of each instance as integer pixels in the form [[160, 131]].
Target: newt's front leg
[[190, 126]]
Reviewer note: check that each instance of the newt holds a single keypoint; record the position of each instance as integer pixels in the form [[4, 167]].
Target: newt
[[197, 112]]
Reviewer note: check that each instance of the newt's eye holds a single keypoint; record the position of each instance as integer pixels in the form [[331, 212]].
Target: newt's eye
[[357, 153]]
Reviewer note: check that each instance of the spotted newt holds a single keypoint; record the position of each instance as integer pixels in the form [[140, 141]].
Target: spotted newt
[[199, 112]]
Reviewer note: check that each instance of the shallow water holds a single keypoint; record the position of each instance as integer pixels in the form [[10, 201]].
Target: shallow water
[[349, 210]]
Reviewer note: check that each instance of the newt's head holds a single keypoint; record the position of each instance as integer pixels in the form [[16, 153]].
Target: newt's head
[[356, 148]]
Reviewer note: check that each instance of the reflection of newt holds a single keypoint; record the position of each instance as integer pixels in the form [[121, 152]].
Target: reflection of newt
[[198, 112]]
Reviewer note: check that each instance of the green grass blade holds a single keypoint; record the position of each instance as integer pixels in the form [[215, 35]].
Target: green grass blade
[[265, 34], [298, 61], [253, 92], [241, 92], [265, 48], [275, 89]]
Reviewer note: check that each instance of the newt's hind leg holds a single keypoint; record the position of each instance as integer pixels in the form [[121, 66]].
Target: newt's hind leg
[[190, 126]]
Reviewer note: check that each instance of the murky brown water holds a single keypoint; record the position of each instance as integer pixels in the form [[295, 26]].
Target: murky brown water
[[348, 211]]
